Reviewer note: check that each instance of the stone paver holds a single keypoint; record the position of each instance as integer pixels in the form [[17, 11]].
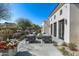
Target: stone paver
[[39, 49]]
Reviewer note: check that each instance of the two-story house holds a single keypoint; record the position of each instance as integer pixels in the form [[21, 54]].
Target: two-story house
[[64, 23]]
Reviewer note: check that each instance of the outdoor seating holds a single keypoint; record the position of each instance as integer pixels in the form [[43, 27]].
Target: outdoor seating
[[31, 38], [47, 39]]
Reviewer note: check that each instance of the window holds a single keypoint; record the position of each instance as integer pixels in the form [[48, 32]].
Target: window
[[54, 16], [60, 12], [51, 29], [55, 29]]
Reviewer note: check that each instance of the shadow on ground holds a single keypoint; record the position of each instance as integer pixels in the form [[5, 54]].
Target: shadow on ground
[[24, 53]]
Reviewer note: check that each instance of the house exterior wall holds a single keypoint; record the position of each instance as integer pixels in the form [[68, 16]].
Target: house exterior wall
[[70, 14], [42, 29], [66, 16], [74, 23], [67, 26], [46, 27]]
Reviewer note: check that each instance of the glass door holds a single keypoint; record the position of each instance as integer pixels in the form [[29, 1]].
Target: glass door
[[55, 29], [61, 29]]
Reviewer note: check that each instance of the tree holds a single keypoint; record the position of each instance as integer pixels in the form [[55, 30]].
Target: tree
[[36, 28], [4, 11], [23, 23]]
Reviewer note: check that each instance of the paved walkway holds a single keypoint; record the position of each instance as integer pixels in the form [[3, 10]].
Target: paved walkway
[[0, 54], [39, 49]]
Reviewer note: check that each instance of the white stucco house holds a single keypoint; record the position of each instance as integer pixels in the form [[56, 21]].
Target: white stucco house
[[45, 27], [64, 23]]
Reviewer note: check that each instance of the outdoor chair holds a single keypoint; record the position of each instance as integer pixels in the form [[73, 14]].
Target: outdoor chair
[[31, 39], [47, 39]]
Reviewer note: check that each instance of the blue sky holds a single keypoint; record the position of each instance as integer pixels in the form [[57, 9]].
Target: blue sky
[[35, 12]]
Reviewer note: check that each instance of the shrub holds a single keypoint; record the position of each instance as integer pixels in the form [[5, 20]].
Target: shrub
[[72, 47], [64, 52]]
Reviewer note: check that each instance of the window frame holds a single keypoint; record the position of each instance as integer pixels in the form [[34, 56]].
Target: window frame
[[61, 12]]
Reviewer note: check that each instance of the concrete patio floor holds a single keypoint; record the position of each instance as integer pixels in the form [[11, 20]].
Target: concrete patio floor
[[41, 49]]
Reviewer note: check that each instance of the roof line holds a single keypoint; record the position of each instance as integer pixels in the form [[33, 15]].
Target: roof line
[[54, 10]]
